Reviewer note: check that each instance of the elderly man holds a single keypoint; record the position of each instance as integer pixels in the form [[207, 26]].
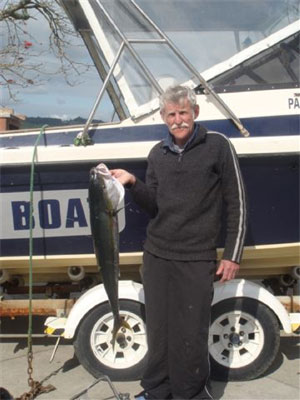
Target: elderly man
[[193, 176]]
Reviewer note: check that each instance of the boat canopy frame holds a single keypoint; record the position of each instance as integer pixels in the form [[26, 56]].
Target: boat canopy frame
[[127, 43]]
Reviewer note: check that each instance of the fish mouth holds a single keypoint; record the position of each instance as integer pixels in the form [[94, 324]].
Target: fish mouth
[[97, 172], [93, 172], [95, 175]]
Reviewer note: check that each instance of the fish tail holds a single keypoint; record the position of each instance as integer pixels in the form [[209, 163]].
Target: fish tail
[[124, 324], [117, 335]]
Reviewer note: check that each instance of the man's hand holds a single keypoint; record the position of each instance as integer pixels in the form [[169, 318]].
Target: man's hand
[[123, 176], [228, 270]]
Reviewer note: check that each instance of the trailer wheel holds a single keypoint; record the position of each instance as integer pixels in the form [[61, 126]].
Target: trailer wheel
[[243, 340], [93, 346]]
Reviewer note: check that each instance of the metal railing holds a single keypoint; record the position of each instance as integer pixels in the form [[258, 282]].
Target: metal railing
[[83, 137]]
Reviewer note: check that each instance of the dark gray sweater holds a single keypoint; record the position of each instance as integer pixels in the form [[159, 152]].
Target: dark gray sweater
[[185, 195]]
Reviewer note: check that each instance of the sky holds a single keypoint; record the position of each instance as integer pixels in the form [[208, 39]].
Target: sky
[[54, 97]]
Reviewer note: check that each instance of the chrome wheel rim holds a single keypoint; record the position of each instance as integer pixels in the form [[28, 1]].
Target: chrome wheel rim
[[236, 339]]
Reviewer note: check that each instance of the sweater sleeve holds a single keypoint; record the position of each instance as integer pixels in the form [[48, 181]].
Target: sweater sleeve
[[144, 194], [235, 205]]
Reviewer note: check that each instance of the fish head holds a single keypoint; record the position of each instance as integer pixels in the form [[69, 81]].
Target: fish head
[[111, 188], [97, 186], [96, 178]]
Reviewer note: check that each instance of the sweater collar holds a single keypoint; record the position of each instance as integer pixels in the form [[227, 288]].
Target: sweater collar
[[198, 136]]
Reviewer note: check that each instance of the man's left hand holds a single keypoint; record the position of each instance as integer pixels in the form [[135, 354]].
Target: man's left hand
[[227, 269]]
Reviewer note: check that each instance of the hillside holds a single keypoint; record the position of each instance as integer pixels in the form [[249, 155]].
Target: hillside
[[37, 122]]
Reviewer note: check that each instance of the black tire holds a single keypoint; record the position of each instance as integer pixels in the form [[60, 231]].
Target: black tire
[[244, 339], [93, 346]]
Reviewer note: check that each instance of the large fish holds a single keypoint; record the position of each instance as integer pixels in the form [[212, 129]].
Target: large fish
[[105, 197]]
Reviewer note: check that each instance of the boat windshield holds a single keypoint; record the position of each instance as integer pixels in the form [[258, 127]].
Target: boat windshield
[[210, 31], [206, 32]]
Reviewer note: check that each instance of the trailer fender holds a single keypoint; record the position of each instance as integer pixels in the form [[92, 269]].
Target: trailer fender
[[128, 290], [244, 288]]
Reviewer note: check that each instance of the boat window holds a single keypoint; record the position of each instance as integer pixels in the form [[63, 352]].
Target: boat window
[[206, 31], [211, 31], [275, 67]]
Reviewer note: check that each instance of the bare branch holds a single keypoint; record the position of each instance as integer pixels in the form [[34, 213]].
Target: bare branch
[[16, 11], [21, 54]]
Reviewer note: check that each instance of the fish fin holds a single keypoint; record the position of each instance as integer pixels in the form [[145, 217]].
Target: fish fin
[[114, 213], [120, 209], [114, 332], [111, 213]]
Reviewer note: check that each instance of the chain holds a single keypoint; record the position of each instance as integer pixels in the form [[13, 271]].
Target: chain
[[30, 368], [36, 388]]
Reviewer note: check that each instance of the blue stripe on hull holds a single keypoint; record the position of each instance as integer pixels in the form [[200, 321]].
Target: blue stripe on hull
[[58, 177], [53, 246], [262, 126], [272, 186]]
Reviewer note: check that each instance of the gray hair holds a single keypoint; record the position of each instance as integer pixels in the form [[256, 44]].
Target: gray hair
[[175, 94]]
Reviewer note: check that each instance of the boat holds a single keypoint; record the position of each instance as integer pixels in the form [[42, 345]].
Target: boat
[[242, 59]]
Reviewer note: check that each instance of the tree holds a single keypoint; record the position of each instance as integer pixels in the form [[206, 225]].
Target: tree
[[22, 52]]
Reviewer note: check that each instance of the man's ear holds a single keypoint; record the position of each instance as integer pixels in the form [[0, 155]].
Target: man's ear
[[162, 114], [196, 111]]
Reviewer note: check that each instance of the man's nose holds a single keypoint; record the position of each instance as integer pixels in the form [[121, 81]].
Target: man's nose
[[178, 118]]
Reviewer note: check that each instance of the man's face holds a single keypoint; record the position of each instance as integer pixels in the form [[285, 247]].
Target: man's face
[[179, 117]]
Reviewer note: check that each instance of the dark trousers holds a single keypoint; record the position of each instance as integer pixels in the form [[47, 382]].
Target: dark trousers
[[178, 297]]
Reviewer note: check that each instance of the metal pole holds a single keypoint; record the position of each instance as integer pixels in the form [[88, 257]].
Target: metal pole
[[132, 51], [83, 137]]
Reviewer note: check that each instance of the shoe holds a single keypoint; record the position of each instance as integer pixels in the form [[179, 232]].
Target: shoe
[[146, 396], [142, 396]]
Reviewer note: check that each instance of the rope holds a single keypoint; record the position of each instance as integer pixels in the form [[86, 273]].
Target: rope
[[36, 387], [29, 339]]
